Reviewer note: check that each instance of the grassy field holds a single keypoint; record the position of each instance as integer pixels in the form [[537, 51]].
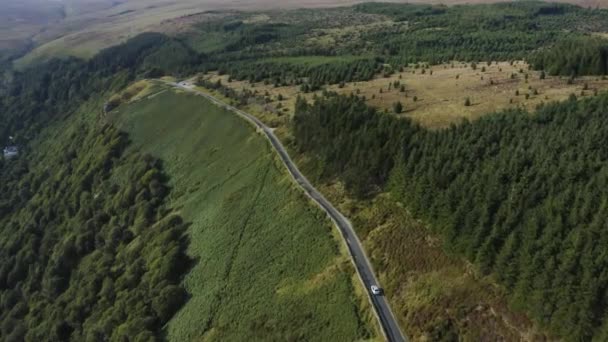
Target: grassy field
[[436, 97], [440, 91], [21, 20], [268, 266]]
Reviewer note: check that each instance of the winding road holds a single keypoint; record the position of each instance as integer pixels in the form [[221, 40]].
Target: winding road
[[390, 327]]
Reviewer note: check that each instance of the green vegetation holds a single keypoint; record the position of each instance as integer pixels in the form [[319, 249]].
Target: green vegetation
[[54, 89], [354, 141], [521, 195], [528, 215], [503, 31], [313, 74], [312, 60], [439, 298], [268, 266], [88, 249], [91, 249], [86, 218], [397, 107], [574, 57], [284, 51]]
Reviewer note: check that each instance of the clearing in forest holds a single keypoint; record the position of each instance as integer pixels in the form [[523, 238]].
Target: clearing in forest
[[435, 95]]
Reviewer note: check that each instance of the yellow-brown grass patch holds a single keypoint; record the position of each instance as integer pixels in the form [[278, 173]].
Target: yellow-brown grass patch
[[134, 92], [440, 91], [436, 98]]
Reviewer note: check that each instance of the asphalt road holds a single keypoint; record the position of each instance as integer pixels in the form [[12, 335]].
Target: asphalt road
[[364, 268]]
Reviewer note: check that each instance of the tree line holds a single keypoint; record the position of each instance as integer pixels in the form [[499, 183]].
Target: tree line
[[573, 57], [419, 33], [309, 77], [521, 195], [49, 90], [84, 257], [89, 251], [485, 32]]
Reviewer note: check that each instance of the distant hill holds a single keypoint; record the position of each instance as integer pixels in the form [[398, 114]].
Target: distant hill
[[81, 28]]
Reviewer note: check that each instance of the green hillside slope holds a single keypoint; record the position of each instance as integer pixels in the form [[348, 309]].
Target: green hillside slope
[[267, 266], [89, 251]]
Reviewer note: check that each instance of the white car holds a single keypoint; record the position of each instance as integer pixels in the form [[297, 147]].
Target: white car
[[376, 291]]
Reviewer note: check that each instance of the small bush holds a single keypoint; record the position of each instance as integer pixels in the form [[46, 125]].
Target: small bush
[[397, 107]]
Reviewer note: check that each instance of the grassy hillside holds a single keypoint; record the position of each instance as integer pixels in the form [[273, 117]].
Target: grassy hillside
[[267, 265]]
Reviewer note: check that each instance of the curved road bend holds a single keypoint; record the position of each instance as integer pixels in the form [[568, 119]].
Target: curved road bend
[[364, 268]]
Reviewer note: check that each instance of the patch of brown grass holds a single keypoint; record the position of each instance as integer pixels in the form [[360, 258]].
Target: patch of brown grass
[[436, 98], [428, 287], [132, 93], [316, 281]]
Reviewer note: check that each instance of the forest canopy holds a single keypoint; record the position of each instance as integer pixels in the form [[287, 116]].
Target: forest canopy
[[83, 256], [522, 195], [574, 57], [89, 251]]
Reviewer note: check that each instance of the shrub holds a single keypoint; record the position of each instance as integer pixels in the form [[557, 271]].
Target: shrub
[[397, 107]]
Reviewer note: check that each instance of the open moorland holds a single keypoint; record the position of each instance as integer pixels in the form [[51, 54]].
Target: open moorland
[[435, 95]]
